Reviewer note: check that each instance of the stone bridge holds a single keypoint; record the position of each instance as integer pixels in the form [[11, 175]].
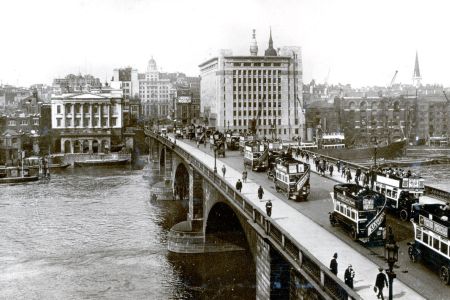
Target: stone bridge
[[219, 218]]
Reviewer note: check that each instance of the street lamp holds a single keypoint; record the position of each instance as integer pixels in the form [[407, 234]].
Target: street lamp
[[375, 153], [216, 140], [391, 255]]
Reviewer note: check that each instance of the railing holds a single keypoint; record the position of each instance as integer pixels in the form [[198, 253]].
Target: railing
[[300, 258]]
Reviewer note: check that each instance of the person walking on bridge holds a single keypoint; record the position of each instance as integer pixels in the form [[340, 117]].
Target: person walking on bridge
[[334, 264], [224, 170], [380, 282], [260, 192], [244, 175], [349, 275], [239, 185], [269, 208]]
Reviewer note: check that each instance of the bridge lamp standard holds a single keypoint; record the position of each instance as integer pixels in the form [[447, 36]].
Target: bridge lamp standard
[[216, 138], [391, 255]]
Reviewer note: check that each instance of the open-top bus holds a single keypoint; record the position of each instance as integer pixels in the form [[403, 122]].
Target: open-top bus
[[401, 192], [256, 155], [360, 211], [431, 238], [292, 177]]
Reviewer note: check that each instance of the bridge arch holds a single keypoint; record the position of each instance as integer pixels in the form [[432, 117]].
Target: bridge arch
[[224, 223], [181, 182]]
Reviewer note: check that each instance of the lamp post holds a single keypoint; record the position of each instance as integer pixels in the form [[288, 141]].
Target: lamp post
[[216, 139], [391, 255], [375, 153]]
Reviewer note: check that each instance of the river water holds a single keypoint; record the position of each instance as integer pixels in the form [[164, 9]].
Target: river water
[[96, 235]]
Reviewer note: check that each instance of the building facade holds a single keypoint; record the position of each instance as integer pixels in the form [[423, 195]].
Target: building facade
[[264, 91], [89, 122], [155, 93], [127, 80]]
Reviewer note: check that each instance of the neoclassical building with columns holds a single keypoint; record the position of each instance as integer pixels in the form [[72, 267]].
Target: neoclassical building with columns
[[87, 122]]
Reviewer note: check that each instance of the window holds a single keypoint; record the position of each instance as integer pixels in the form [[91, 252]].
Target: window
[[58, 122], [425, 238], [58, 109], [444, 248], [436, 243]]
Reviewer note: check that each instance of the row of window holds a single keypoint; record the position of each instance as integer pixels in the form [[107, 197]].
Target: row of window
[[432, 241], [95, 109], [95, 122], [255, 113], [22, 122], [250, 80], [254, 64], [261, 88], [346, 210], [255, 104], [266, 131]]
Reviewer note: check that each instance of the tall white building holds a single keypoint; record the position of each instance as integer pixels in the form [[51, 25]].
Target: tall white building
[[237, 91], [155, 93], [88, 122]]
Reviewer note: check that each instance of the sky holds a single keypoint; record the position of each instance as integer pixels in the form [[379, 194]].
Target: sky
[[360, 42]]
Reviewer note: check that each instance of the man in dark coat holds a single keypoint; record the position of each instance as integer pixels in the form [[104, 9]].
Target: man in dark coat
[[260, 192], [349, 275], [239, 185], [269, 208], [334, 265], [380, 282]]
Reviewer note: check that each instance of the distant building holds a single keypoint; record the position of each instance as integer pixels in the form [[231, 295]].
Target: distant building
[[187, 101], [154, 92], [127, 80], [89, 122], [261, 92], [75, 84]]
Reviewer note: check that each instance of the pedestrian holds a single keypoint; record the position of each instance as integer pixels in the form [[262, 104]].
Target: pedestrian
[[260, 192], [380, 282], [198, 143], [349, 275], [224, 170], [334, 264], [244, 175], [269, 208], [239, 185], [343, 171], [338, 165], [331, 170], [349, 175], [358, 174]]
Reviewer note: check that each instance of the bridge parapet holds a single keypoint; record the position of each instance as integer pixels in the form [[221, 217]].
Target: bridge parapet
[[301, 260]]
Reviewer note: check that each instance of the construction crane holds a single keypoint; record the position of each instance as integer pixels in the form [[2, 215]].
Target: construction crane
[[393, 79], [254, 122]]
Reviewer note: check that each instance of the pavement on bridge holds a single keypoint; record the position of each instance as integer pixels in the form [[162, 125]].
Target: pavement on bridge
[[321, 243]]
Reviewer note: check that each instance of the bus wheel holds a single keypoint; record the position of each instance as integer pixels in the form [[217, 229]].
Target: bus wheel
[[353, 234], [277, 188], [404, 215], [412, 254], [333, 221], [444, 275]]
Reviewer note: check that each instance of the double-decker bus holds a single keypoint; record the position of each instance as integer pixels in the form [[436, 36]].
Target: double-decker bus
[[275, 151], [360, 211], [292, 177], [431, 238], [401, 191], [256, 155]]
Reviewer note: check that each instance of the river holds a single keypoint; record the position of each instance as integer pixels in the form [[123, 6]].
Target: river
[[95, 235]]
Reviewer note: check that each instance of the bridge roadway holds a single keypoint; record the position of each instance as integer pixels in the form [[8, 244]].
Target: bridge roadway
[[307, 222]]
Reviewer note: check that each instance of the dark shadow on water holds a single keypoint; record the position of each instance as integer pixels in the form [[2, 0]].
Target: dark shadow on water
[[225, 275]]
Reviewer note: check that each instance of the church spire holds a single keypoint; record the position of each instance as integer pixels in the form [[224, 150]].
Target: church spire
[[270, 51], [253, 45], [416, 75]]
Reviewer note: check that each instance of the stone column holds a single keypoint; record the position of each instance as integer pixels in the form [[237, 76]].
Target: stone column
[[110, 107], [72, 150], [195, 195], [168, 166], [82, 115], [91, 116], [100, 114], [63, 110]]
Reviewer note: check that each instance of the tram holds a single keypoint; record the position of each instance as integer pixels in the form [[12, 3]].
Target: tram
[[360, 211], [401, 191], [431, 238], [256, 155], [292, 177]]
